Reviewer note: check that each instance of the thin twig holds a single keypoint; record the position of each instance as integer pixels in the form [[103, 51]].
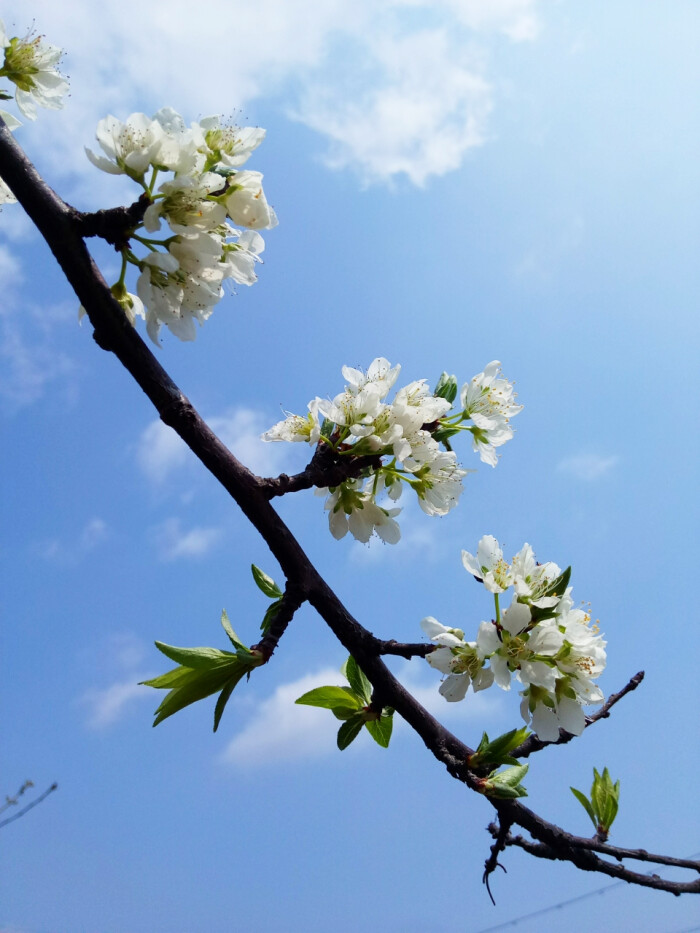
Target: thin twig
[[29, 806], [533, 744]]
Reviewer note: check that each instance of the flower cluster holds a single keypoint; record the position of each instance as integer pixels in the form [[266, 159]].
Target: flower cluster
[[397, 444], [541, 640], [181, 278]]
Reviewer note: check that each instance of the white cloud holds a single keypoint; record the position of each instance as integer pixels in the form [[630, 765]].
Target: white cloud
[[423, 110], [107, 706], [405, 85], [160, 451], [282, 731], [587, 467], [279, 730], [174, 544]]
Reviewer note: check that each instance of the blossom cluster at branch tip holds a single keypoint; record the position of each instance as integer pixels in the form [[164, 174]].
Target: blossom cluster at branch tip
[[212, 210], [541, 640], [392, 445]]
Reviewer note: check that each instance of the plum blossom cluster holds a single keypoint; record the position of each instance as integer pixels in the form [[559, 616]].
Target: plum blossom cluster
[[211, 210], [405, 442], [541, 640], [32, 66]]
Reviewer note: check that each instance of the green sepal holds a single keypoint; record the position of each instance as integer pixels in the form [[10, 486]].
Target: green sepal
[[265, 583], [327, 428], [196, 658], [357, 680], [349, 731], [443, 433], [331, 698], [380, 729], [446, 387], [495, 752], [233, 638]]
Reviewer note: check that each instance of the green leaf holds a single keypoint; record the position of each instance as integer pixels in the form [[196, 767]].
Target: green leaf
[[223, 700], [265, 583], [511, 776], [585, 803], [496, 752], [349, 731], [196, 658], [173, 678], [331, 698], [201, 685], [269, 616], [233, 638], [357, 680], [380, 729]]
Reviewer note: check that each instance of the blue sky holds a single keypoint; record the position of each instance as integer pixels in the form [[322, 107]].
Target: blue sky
[[456, 182]]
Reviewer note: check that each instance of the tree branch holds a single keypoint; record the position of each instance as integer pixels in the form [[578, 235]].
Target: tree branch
[[63, 229]]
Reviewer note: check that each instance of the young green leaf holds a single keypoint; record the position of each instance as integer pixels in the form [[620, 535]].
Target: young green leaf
[[380, 729], [269, 616], [357, 680], [331, 698], [496, 752], [265, 583], [233, 638], [349, 731], [585, 803], [224, 697], [196, 658]]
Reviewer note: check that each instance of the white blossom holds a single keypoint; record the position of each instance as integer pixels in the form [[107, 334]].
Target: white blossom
[[297, 428], [228, 144], [246, 204], [31, 64], [350, 508], [488, 566], [532, 580], [456, 658], [488, 400], [130, 147]]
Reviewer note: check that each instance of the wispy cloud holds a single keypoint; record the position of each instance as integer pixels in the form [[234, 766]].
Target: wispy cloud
[[281, 731], [173, 543], [587, 467], [70, 552], [106, 706], [161, 453], [396, 88], [29, 361]]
